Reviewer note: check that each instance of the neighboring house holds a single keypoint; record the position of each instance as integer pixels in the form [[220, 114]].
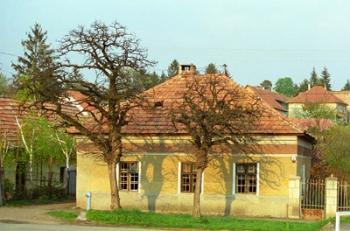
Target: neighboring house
[[320, 96], [156, 171], [10, 112], [345, 96], [275, 100]]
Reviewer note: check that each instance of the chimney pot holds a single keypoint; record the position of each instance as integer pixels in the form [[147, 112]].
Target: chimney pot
[[187, 69]]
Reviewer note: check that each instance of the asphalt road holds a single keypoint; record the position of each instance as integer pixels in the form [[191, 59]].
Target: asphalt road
[[43, 227]]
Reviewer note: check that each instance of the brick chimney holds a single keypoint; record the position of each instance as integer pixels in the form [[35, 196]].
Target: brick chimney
[[187, 69]]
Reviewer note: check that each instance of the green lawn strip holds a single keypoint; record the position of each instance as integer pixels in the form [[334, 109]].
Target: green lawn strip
[[135, 217], [65, 215]]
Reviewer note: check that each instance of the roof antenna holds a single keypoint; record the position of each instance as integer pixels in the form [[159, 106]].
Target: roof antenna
[[225, 70]]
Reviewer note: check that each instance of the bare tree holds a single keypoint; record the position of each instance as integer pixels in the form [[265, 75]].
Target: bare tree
[[215, 111], [4, 149], [108, 52]]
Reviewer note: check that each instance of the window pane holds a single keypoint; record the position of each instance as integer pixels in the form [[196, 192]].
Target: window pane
[[129, 176], [246, 178]]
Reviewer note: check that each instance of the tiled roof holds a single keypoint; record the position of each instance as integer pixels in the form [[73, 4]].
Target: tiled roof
[[158, 121], [272, 98], [79, 100], [343, 95], [307, 123], [11, 109], [317, 94]]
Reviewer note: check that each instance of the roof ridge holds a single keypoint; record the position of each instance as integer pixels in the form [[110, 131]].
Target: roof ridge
[[282, 118]]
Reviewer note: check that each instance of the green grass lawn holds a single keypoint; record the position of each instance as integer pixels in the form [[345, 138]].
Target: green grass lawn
[[65, 215], [145, 219]]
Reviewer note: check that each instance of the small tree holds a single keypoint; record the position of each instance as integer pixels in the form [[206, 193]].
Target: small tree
[[214, 111], [173, 68], [346, 86], [211, 69], [266, 84], [285, 86], [335, 148], [108, 52], [326, 79]]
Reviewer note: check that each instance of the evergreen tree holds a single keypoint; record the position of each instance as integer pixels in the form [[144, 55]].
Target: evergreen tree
[[163, 77], [37, 66], [346, 86], [325, 79], [303, 86], [314, 80], [266, 84], [211, 69], [173, 68]]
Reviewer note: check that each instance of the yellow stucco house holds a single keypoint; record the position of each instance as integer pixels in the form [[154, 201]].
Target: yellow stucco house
[[156, 172], [320, 96]]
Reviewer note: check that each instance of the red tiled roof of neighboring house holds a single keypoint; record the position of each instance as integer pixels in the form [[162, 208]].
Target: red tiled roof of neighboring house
[[317, 94], [307, 123], [11, 109], [274, 99], [343, 95], [79, 100]]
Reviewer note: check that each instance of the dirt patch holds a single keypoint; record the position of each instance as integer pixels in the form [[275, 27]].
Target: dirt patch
[[35, 214]]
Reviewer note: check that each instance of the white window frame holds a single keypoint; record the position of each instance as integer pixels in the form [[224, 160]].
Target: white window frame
[[257, 179]]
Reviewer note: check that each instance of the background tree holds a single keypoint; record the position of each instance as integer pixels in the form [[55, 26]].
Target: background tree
[[37, 62], [211, 69], [3, 85], [106, 51], [335, 148], [285, 86], [173, 68], [314, 80], [266, 84], [325, 79], [303, 86], [214, 111], [346, 86]]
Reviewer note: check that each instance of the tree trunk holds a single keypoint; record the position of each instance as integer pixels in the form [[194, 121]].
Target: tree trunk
[[66, 176], [2, 191], [196, 212], [115, 199], [49, 177]]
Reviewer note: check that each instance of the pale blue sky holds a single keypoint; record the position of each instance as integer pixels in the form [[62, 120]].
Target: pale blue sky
[[257, 39]]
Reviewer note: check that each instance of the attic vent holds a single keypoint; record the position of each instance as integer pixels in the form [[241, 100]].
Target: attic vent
[[158, 104]]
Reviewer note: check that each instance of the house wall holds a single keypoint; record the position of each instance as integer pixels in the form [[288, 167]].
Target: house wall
[[160, 184], [340, 109]]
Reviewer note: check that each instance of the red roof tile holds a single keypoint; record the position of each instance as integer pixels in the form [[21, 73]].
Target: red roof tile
[[11, 109], [317, 94], [274, 99], [158, 121]]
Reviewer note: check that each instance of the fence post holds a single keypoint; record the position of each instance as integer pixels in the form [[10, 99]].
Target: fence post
[[294, 197], [331, 196]]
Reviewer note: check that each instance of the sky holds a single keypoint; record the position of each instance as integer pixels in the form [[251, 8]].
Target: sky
[[257, 39]]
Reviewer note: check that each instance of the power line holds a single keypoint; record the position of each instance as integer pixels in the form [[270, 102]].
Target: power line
[[8, 53]]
